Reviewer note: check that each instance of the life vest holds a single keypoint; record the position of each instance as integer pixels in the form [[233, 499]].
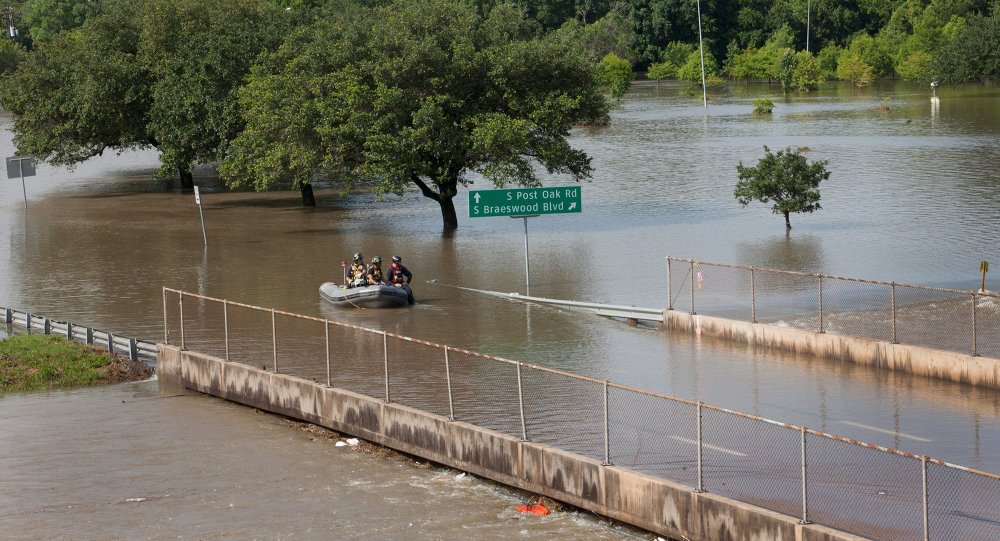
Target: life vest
[[375, 274], [396, 275], [357, 273]]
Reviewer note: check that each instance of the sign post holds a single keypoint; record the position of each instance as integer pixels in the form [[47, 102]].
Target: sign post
[[21, 166], [525, 203], [984, 267], [197, 201]]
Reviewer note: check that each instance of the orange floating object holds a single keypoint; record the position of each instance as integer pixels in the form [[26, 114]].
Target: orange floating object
[[536, 509]]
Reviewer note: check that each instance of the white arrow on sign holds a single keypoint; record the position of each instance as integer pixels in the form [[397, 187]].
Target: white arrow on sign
[[572, 205], [477, 198]]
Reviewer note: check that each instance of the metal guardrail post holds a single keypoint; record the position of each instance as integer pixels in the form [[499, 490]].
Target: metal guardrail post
[[385, 361], [90, 336], [447, 375], [225, 325], [181, 302], [133, 349], [47, 325], [701, 484], [895, 339], [520, 402], [274, 341], [326, 331], [27, 322], [166, 327], [753, 296], [607, 428], [975, 332], [692, 289], [820, 302], [69, 330], [923, 478], [8, 317], [805, 481], [111, 343], [670, 289]]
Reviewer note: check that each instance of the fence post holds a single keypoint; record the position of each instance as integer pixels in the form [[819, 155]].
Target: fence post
[[805, 481], [895, 339], [225, 325], [975, 341], [701, 484], [820, 276], [607, 428], [520, 402], [326, 331], [166, 327], [8, 317], [692, 289], [447, 375], [670, 290], [753, 296], [180, 301], [27, 322], [923, 477], [274, 341], [385, 362]]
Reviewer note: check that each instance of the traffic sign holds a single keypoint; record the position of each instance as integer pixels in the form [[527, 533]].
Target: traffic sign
[[524, 201]]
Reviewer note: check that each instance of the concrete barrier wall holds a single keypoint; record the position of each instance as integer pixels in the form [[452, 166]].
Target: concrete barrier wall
[[948, 365], [654, 504]]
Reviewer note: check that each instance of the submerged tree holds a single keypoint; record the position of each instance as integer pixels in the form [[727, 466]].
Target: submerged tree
[[785, 180], [416, 93]]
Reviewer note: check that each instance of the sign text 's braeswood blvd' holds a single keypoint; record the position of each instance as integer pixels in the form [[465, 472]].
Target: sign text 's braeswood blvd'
[[524, 201]]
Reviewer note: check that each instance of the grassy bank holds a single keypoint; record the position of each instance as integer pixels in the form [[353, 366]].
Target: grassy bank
[[35, 362]]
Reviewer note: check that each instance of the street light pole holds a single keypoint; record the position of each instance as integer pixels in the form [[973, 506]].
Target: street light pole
[[701, 48], [808, 10]]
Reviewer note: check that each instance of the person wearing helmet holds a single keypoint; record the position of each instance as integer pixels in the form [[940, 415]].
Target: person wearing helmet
[[375, 276], [357, 274], [400, 276]]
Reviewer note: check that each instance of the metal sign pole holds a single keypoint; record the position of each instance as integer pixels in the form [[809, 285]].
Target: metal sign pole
[[23, 189], [527, 266], [201, 213]]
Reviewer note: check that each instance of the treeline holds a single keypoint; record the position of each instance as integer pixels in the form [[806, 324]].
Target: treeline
[[951, 41]]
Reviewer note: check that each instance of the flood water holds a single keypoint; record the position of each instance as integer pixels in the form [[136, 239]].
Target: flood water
[[914, 197]]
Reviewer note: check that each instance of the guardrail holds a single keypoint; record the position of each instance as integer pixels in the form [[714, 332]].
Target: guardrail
[[939, 318], [842, 483], [133, 348]]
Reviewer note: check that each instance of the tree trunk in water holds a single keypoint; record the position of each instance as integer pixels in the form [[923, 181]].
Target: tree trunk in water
[[788, 224], [187, 178], [308, 198], [448, 214]]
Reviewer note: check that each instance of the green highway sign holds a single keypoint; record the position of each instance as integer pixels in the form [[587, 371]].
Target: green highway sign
[[524, 201]]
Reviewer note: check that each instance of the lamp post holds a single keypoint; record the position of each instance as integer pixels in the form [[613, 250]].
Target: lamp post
[[701, 48], [808, 14]]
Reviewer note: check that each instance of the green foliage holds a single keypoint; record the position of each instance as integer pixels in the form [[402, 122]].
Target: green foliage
[[786, 70], [691, 70], [11, 55], [972, 52], [46, 18], [36, 362], [615, 73], [851, 67], [763, 106], [828, 57], [661, 71], [918, 66], [416, 93], [786, 181], [807, 74], [869, 51]]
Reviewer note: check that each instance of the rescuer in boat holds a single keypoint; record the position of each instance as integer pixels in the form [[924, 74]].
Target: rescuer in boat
[[357, 274], [400, 276], [375, 276]]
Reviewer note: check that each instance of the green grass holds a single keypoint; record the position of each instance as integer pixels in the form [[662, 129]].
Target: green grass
[[35, 362]]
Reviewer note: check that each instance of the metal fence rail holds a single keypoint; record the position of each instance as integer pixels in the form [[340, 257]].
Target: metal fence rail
[[135, 349], [939, 318], [846, 484]]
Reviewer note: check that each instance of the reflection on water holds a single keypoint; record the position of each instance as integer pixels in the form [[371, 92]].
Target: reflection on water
[[912, 198]]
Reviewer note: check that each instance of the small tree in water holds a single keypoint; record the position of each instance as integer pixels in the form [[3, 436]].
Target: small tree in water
[[786, 180]]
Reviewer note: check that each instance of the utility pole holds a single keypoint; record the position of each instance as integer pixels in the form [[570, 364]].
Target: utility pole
[[8, 16]]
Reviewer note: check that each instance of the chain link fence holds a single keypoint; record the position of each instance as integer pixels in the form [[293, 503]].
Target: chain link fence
[[938, 318], [845, 484]]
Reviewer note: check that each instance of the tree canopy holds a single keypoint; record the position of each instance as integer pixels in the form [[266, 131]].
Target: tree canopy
[[786, 181], [420, 93]]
